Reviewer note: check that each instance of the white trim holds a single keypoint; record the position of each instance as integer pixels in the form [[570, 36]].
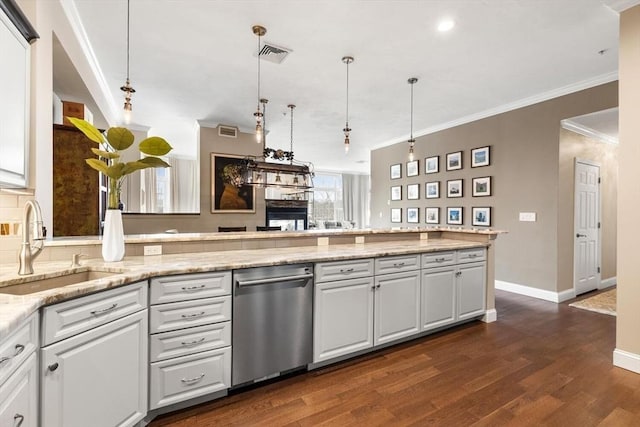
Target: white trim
[[490, 316], [607, 283], [581, 129], [71, 11], [535, 292], [544, 96], [214, 125], [620, 5], [626, 360]]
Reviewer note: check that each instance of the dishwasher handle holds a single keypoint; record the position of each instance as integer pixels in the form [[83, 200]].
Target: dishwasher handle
[[242, 283]]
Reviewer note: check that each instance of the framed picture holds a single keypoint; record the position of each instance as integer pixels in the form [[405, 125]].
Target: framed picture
[[454, 216], [412, 168], [481, 216], [432, 164], [396, 214], [229, 194], [413, 191], [480, 157], [432, 215], [413, 215], [481, 187], [432, 190], [396, 192], [395, 171], [454, 188], [454, 161]]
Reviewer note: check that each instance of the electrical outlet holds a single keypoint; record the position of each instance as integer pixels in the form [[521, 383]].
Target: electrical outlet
[[359, 240], [153, 250], [528, 216]]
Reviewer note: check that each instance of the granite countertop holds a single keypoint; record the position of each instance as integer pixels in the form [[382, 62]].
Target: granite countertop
[[199, 237], [15, 308]]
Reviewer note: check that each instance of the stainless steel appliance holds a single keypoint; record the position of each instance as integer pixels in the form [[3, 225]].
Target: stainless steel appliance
[[272, 321]]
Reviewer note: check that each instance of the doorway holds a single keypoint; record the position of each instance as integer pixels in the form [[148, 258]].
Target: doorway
[[587, 245]]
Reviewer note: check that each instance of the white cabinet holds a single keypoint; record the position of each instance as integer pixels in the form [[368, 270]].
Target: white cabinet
[[471, 290], [190, 327], [18, 376], [396, 306], [343, 317], [97, 378]]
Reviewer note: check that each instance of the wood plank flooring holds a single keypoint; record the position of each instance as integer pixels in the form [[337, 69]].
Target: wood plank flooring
[[541, 363]]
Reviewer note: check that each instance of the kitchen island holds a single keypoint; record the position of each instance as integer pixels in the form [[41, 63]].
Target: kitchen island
[[435, 252]]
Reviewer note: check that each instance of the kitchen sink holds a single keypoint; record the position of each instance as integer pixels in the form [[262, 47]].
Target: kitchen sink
[[54, 282]]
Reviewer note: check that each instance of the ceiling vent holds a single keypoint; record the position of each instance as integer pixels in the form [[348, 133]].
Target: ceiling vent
[[227, 131], [273, 53]]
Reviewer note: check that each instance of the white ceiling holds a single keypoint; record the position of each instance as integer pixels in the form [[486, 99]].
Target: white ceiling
[[195, 60]]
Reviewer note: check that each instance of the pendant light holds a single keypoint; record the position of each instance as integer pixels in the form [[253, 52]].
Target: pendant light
[[296, 181], [259, 31], [347, 60], [412, 142], [127, 88]]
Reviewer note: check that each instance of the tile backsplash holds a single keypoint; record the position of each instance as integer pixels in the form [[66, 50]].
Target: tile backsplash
[[11, 210]]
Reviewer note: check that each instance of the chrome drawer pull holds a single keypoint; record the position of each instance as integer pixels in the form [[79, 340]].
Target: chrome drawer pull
[[105, 310], [346, 270], [189, 316], [18, 417], [193, 288], [193, 342], [440, 259], [192, 380], [398, 265], [473, 255], [19, 348]]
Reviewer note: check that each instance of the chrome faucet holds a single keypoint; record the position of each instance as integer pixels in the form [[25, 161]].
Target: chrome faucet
[[29, 252]]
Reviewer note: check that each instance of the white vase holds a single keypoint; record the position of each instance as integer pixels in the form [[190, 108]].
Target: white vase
[[113, 236]]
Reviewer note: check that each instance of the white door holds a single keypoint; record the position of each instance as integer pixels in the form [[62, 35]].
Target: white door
[[343, 317], [586, 258], [396, 307], [97, 378]]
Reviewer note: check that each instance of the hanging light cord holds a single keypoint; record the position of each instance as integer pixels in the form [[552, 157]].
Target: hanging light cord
[[347, 116], [259, 36], [411, 137], [291, 145], [128, 26]]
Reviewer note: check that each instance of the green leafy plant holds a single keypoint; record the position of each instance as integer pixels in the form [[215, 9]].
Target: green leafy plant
[[112, 143]]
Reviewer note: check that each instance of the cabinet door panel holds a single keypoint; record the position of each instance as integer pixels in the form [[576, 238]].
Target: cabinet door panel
[[343, 316], [19, 396], [471, 290], [397, 306], [97, 378], [438, 297]]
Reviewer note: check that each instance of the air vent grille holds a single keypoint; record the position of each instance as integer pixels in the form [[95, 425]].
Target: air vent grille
[[227, 131], [273, 53]]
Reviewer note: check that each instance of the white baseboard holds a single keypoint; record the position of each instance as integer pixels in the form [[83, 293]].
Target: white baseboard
[[626, 360], [535, 292], [490, 316], [607, 283]]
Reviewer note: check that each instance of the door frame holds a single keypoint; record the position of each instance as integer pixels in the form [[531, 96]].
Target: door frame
[[575, 230]]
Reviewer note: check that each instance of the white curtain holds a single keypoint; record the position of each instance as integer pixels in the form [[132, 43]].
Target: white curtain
[[148, 191], [355, 198], [184, 185]]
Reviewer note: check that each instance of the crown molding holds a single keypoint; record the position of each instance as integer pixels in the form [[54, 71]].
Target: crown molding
[[581, 129], [525, 102], [621, 5], [214, 125]]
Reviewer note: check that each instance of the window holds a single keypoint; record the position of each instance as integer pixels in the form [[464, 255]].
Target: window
[[327, 198]]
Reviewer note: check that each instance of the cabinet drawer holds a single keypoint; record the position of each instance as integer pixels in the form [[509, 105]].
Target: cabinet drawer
[[190, 286], [178, 315], [191, 340], [472, 255], [329, 271], [69, 318], [437, 259], [183, 378], [19, 396], [396, 264], [18, 346]]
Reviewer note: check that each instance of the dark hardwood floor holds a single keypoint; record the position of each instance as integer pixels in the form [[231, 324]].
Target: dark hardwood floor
[[541, 363]]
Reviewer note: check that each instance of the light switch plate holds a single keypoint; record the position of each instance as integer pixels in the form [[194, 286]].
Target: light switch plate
[[528, 216], [153, 250]]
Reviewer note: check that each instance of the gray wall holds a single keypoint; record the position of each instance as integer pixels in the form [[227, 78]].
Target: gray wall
[[206, 221], [525, 178]]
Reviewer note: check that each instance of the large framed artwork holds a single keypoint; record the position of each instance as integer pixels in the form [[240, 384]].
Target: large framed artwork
[[229, 194]]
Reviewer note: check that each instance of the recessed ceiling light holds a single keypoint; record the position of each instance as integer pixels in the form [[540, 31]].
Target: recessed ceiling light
[[446, 25]]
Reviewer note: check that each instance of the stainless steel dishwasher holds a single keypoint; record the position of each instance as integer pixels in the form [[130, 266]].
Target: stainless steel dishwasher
[[272, 321]]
